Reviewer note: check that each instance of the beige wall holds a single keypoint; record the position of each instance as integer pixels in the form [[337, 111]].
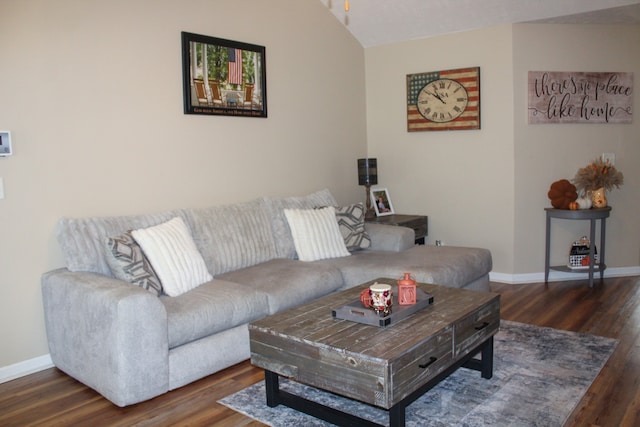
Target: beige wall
[[488, 187], [92, 92], [547, 153], [463, 180]]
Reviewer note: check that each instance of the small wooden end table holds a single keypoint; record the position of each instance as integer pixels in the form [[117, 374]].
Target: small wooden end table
[[419, 224]]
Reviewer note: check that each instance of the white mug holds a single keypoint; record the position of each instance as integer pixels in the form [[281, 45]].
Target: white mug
[[381, 296]]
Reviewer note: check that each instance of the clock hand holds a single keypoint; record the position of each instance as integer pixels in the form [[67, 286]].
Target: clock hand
[[437, 95]]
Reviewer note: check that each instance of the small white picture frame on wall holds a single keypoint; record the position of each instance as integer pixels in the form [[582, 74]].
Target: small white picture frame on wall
[[381, 201], [5, 143]]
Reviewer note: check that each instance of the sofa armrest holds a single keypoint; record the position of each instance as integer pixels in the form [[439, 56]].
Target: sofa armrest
[[389, 237], [108, 334]]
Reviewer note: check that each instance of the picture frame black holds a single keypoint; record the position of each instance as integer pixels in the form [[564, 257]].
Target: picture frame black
[[223, 77]]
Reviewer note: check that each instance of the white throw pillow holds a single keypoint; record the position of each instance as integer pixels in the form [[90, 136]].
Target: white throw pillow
[[316, 234], [173, 255]]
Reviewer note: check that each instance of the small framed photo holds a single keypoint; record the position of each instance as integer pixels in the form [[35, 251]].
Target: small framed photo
[[381, 201]]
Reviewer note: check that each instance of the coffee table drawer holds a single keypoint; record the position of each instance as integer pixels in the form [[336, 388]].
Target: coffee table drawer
[[344, 373], [472, 330], [419, 365]]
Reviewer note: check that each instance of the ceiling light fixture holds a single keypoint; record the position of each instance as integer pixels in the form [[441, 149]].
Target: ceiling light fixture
[[347, 7]]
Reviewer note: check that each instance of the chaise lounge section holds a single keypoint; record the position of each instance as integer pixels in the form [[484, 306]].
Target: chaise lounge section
[[131, 344]]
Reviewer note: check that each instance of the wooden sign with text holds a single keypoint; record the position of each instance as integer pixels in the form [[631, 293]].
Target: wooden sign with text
[[580, 97]]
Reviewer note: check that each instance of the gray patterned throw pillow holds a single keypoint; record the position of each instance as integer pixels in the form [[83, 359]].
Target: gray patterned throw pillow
[[128, 263], [351, 223]]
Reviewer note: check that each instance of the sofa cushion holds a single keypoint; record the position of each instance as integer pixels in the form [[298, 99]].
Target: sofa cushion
[[351, 223], [443, 265], [173, 255], [315, 233], [288, 282], [279, 226], [214, 306], [233, 236], [82, 239], [390, 238], [128, 263]]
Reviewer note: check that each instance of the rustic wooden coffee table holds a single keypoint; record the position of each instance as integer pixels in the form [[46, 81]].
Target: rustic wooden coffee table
[[387, 367]]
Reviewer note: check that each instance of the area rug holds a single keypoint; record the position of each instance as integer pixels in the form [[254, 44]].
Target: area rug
[[539, 377]]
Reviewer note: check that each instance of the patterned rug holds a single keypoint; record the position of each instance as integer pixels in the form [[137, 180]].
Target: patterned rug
[[539, 377]]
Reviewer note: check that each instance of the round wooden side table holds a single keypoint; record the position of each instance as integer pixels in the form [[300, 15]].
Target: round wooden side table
[[582, 214]]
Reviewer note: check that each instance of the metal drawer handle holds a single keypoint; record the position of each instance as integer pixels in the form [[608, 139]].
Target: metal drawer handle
[[430, 362], [481, 327]]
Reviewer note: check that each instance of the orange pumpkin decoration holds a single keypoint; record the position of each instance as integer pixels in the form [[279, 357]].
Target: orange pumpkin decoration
[[365, 297], [574, 206], [562, 193]]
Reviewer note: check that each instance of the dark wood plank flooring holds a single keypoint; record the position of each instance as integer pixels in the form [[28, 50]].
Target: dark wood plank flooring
[[611, 309]]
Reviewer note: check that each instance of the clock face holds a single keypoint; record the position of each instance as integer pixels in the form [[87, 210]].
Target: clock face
[[442, 100]]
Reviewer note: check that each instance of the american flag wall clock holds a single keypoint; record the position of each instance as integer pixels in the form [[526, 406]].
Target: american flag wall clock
[[444, 100]]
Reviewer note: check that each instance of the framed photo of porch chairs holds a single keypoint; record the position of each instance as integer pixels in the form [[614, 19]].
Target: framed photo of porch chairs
[[223, 77]]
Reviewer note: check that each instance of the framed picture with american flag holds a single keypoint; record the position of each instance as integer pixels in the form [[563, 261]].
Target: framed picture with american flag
[[444, 100], [223, 77]]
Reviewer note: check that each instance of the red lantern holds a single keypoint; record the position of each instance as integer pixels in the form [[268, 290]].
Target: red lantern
[[406, 290]]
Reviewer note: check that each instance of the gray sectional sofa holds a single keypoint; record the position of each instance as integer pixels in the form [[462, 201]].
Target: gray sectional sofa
[[131, 345]]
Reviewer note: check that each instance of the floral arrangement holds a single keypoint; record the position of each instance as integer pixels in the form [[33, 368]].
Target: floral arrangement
[[598, 174]]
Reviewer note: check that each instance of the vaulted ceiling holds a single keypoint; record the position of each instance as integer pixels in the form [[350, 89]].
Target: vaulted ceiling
[[380, 22]]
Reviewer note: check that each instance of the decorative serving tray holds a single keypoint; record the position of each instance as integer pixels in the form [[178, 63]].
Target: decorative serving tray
[[356, 312]]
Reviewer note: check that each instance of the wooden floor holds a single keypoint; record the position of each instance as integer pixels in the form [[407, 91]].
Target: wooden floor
[[611, 309]]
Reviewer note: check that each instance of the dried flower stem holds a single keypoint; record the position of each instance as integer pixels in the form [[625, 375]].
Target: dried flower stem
[[598, 174]]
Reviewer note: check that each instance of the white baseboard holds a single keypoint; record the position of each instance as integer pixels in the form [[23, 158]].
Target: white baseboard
[[557, 276], [21, 369]]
